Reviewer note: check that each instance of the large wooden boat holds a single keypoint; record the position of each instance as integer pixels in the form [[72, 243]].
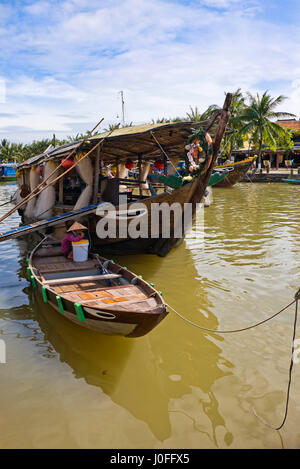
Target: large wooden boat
[[96, 294], [90, 181], [236, 172]]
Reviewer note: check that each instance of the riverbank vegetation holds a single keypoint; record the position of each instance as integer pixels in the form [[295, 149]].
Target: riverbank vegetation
[[252, 120]]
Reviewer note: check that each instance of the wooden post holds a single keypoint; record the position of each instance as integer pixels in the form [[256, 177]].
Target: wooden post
[[96, 175], [61, 191], [140, 172], [165, 170]]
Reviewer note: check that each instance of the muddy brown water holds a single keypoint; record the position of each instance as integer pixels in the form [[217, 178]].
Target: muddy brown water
[[177, 387]]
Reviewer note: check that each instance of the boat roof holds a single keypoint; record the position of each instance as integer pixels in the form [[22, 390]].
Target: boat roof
[[130, 143]]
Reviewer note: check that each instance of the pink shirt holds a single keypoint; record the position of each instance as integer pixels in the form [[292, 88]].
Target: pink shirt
[[66, 244]]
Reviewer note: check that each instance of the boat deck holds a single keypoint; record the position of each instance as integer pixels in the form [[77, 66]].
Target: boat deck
[[92, 293]]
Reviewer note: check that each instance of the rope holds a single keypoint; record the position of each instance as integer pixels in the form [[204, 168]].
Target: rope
[[11, 199], [217, 331], [164, 152], [296, 299]]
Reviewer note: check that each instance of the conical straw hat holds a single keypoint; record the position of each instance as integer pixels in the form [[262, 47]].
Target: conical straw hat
[[77, 226]]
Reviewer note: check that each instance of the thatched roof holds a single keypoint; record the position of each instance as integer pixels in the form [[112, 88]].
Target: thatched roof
[[130, 142]]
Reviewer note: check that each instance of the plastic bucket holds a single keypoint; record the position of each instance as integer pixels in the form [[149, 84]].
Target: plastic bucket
[[80, 250]]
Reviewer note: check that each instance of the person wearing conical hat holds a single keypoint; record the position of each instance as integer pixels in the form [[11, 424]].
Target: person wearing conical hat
[[74, 233]]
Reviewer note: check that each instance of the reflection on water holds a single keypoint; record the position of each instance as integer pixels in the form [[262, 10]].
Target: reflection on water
[[64, 386]]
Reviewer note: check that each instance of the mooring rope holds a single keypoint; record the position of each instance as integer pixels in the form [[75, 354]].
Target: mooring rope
[[217, 331], [164, 153]]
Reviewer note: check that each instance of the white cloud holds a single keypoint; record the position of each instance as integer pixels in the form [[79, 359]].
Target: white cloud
[[67, 70]]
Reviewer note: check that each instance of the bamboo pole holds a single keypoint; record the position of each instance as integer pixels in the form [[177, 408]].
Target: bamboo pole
[[34, 194], [96, 176], [35, 191]]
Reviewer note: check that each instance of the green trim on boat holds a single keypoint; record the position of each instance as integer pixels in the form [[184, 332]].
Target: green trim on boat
[[217, 177], [29, 273], [60, 304], [27, 262], [152, 285], [79, 312], [33, 281], [171, 181], [44, 292]]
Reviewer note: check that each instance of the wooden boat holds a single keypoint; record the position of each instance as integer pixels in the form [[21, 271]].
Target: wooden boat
[[291, 181], [236, 172], [8, 172], [96, 294], [141, 145], [217, 176]]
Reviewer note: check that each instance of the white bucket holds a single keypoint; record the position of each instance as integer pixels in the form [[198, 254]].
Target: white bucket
[[80, 250]]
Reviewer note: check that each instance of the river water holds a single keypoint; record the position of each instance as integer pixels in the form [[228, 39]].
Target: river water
[[177, 387]]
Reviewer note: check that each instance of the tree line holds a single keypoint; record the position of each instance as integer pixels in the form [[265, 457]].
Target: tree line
[[252, 120]]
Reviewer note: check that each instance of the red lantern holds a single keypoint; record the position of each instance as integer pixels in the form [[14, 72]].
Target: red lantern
[[158, 164], [129, 164], [67, 163]]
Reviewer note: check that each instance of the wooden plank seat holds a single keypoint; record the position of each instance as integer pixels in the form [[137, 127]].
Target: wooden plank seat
[[66, 266], [84, 279]]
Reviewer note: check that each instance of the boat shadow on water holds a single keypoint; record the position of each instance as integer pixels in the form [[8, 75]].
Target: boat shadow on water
[[151, 376]]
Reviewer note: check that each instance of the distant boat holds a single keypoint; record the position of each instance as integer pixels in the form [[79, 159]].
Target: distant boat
[[8, 172], [96, 294], [291, 181], [236, 171]]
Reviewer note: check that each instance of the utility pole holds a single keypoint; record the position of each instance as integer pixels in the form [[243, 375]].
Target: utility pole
[[123, 107]]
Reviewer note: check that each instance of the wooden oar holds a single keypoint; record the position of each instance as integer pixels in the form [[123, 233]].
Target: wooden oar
[[35, 190]]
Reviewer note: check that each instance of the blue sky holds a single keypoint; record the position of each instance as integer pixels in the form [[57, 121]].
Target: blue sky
[[63, 62]]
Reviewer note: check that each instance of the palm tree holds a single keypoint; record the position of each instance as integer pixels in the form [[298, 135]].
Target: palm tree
[[195, 116], [235, 139], [257, 123], [10, 152]]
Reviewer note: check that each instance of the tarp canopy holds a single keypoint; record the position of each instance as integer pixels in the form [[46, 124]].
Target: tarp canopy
[[131, 142]]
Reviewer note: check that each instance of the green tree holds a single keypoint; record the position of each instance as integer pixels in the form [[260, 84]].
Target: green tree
[[257, 123], [235, 140], [196, 116]]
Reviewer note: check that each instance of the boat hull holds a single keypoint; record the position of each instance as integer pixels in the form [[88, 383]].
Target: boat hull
[[191, 193], [234, 176], [291, 181]]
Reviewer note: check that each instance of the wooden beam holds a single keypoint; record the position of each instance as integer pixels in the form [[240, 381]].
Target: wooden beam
[[83, 279], [96, 175], [61, 191], [140, 170]]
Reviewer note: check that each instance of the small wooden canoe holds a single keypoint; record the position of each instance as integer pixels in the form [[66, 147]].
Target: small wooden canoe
[[291, 181], [96, 294]]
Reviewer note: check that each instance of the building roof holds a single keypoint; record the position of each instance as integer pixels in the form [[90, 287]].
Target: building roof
[[289, 123]]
